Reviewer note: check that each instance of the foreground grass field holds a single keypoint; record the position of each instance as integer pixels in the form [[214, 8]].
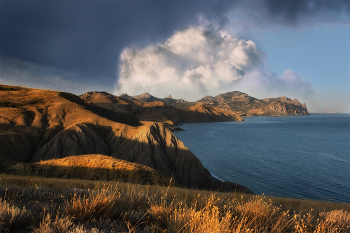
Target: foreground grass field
[[35, 204]]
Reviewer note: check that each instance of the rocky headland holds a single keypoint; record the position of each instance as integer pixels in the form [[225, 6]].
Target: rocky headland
[[245, 105]]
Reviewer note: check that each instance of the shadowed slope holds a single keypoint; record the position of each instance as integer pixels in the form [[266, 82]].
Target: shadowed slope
[[198, 113]]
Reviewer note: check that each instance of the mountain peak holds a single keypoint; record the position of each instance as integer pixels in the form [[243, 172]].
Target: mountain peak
[[146, 97]]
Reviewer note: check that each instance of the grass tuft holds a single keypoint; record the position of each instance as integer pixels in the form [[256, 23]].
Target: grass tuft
[[59, 224], [97, 204]]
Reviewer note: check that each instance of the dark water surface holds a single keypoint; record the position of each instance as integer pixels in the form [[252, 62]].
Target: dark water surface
[[301, 156]]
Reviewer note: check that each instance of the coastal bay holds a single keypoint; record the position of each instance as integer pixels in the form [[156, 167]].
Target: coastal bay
[[297, 156]]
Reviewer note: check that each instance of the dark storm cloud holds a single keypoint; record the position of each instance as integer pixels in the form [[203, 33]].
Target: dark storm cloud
[[86, 37], [307, 11], [89, 35]]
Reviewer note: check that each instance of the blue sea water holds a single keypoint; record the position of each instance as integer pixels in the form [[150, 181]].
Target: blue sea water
[[297, 156]]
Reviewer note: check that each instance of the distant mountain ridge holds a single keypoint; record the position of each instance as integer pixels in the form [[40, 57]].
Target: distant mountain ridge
[[239, 103], [149, 108]]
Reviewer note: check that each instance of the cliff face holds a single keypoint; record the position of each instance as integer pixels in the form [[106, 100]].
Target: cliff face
[[40, 125]]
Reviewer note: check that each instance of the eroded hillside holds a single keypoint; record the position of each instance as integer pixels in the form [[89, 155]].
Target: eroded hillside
[[40, 125]]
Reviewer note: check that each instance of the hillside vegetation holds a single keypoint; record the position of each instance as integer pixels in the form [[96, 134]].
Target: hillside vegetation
[[31, 204]]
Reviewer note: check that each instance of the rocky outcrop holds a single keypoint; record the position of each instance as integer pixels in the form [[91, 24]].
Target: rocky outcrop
[[61, 125]]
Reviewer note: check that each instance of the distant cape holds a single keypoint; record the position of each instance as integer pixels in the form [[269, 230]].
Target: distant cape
[[329, 111]]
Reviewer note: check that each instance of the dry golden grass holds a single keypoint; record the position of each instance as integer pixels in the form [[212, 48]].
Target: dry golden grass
[[12, 217], [16, 97], [91, 206], [59, 224], [92, 167], [94, 205]]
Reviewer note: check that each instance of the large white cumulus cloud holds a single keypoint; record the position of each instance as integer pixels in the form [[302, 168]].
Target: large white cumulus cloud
[[196, 62]]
